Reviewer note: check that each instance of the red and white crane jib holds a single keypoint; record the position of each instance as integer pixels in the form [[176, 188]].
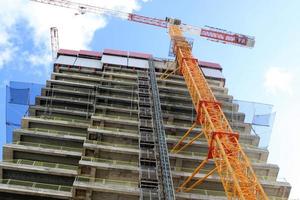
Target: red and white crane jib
[[219, 35], [214, 34], [148, 20], [211, 33], [227, 37]]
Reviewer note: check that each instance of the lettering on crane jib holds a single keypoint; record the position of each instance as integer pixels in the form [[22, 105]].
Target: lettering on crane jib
[[224, 37]]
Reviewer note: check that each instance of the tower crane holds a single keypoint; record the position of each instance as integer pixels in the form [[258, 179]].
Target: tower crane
[[231, 163]]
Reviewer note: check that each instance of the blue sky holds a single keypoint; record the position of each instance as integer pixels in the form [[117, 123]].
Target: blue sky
[[267, 73]]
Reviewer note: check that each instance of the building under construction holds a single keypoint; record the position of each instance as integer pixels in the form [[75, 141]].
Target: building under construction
[[104, 126]]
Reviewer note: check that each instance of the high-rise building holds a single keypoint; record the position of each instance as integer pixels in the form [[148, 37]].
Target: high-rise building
[[102, 129]]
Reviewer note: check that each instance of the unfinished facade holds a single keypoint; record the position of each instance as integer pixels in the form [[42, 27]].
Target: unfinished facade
[[102, 128]]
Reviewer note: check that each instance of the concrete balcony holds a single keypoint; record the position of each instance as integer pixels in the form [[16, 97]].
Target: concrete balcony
[[74, 113], [91, 73], [180, 78], [178, 131], [86, 93], [112, 147], [179, 174], [167, 114], [133, 122], [101, 163], [66, 105], [62, 100], [82, 80], [42, 121], [72, 100], [184, 92], [35, 189], [131, 90], [48, 146], [201, 194], [85, 86], [114, 77], [180, 83], [191, 115], [240, 126], [125, 113], [48, 133], [131, 125], [181, 105], [191, 158], [114, 132], [174, 91], [131, 188], [96, 78], [41, 152], [200, 144], [133, 134], [107, 185], [57, 169]]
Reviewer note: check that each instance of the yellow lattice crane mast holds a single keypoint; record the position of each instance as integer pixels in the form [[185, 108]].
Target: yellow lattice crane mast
[[233, 166]]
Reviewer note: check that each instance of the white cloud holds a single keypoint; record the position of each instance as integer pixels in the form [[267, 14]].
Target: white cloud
[[284, 145], [38, 60], [75, 31], [6, 55], [3, 38], [278, 80]]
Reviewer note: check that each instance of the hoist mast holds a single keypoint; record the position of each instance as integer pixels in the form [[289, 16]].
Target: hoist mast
[[232, 164]]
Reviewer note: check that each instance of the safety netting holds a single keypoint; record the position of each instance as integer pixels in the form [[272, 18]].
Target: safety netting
[[19, 96], [261, 117]]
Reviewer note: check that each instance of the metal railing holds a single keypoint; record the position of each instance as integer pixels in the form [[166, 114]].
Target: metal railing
[[120, 130], [133, 119], [48, 146], [114, 162], [36, 185], [41, 164], [193, 154], [36, 130], [131, 146], [208, 192], [102, 181], [205, 141], [190, 170], [62, 119]]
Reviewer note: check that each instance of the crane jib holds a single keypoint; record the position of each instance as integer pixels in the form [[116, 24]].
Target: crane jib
[[148, 20], [226, 37]]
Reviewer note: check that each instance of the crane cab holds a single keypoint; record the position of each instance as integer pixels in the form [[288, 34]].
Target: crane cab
[[173, 21]]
